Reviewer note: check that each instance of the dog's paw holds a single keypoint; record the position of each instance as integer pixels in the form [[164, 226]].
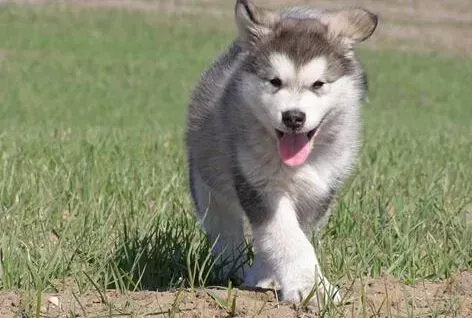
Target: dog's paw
[[318, 293], [303, 282], [260, 275]]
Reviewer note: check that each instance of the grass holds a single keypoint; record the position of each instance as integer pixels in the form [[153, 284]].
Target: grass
[[93, 178]]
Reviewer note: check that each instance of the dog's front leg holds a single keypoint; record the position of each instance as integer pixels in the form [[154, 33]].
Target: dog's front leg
[[282, 245]]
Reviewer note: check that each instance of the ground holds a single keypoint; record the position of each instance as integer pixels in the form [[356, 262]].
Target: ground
[[94, 98], [384, 297]]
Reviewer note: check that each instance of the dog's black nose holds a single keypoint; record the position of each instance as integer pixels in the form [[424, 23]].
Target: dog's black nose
[[293, 119]]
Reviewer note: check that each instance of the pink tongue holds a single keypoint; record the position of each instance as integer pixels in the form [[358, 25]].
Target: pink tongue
[[293, 149]]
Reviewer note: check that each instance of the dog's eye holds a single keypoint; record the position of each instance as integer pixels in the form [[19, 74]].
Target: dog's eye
[[317, 85], [276, 82]]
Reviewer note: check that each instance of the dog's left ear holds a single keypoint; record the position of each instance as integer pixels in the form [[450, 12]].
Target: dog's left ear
[[253, 22], [352, 25]]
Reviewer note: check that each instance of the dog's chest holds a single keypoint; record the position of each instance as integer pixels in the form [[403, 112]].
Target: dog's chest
[[302, 180]]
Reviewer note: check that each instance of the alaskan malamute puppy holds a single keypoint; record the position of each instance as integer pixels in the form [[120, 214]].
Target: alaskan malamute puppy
[[273, 131]]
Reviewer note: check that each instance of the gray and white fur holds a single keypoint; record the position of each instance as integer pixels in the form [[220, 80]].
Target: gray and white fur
[[290, 80]]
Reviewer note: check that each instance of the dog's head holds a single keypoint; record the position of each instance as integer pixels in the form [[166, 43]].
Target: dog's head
[[298, 70]]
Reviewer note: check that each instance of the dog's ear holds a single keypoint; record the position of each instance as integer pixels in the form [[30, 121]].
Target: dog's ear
[[253, 22], [352, 25]]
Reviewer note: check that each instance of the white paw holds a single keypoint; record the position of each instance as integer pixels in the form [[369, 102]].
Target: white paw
[[319, 292], [303, 282], [260, 275]]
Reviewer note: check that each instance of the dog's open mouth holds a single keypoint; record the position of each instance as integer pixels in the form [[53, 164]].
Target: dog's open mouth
[[294, 148], [309, 134]]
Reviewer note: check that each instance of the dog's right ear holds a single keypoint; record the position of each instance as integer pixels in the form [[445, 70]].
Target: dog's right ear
[[253, 22]]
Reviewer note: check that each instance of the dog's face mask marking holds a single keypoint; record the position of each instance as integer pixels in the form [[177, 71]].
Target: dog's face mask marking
[[298, 71]]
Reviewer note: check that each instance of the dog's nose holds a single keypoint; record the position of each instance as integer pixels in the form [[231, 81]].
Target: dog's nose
[[293, 119]]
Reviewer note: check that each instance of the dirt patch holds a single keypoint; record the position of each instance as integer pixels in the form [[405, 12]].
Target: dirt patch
[[389, 297], [383, 297], [8, 304]]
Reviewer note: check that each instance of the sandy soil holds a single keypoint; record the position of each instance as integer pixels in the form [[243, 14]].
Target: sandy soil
[[383, 297]]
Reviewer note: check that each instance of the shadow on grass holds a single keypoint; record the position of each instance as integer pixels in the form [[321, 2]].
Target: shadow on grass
[[173, 253]]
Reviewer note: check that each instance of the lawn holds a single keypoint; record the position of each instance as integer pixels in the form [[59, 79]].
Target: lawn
[[93, 188]]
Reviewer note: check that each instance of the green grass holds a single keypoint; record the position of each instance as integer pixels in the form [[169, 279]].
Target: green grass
[[93, 177]]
